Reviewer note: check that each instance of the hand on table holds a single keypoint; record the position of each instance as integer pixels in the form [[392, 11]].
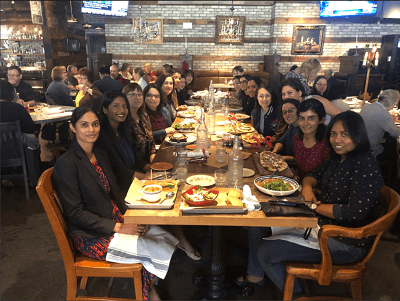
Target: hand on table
[[131, 229], [170, 130]]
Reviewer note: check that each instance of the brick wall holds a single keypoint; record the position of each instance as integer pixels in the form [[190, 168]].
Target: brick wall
[[267, 21]]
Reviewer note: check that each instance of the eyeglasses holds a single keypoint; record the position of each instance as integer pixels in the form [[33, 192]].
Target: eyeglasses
[[290, 111], [243, 81], [80, 77], [153, 95], [12, 75], [137, 95], [264, 96]]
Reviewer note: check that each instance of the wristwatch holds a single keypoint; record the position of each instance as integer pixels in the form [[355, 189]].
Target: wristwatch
[[312, 206]]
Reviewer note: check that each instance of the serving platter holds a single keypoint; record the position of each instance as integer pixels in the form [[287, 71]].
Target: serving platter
[[241, 116], [187, 114], [292, 182], [190, 139], [188, 125]]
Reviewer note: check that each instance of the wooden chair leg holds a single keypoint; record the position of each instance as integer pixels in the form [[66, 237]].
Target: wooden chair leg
[[109, 286], [83, 282], [356, 289], [289, 284], [137, 281], [71, 287]]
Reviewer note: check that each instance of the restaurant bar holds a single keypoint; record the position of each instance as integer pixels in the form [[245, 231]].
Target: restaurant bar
[[206, 150]]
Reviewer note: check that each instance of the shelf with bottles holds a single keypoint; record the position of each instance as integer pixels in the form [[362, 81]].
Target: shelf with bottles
[[26, 54], [24, 33]]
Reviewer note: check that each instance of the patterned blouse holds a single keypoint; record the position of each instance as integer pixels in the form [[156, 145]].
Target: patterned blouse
[[308, 159], [143, 134], [353, 187]]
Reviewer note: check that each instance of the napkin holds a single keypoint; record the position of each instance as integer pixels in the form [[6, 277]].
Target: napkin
[[250, 200], [54, 111], [195, 154]]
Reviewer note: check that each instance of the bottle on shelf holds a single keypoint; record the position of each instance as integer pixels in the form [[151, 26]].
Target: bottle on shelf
[[202, 135], [235, 166]]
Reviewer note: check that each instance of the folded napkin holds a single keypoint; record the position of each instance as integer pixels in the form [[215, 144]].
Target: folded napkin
[[195, 154], [54, 111], [250, 200]]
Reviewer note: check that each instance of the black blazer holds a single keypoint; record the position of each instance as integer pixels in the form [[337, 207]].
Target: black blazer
[[87, 206], [110, 144], [108, 84]]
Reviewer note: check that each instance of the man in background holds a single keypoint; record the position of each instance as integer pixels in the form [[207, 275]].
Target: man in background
[[23, 89], [106, 83], [71, 81], [115, 75]]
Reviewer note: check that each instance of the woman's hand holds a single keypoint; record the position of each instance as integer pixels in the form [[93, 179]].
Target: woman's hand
[[131, 229], [152, 157], [170, 130]]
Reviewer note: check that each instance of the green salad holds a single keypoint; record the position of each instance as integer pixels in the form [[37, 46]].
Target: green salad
[[275, 184]]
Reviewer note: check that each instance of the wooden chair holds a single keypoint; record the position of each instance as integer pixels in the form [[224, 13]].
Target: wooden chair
[[77, 265], [12, 153], [350, 274]]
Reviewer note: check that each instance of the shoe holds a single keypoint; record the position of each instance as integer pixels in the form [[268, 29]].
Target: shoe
[[262, 283], [195, 255]]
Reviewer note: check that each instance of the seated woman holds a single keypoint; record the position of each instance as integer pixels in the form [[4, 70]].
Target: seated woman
[[141, 77], [266, 114], [307, 72], [309, 145], [285, 144], [320, 87], [117, 141], [166, 83], [190, 81], [87, 95], [350, 182], [378, 121], [152, 75], [88, 192], [125, 72], [143, 134], [182, 91], [160, 118], [58, 90]]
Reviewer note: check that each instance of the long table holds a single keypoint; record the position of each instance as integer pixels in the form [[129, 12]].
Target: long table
[[215, 288], [66, 115]]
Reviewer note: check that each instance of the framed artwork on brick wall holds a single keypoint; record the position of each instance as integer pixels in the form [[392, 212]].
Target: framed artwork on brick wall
[[308, 39], [227, 32], [156, 26]]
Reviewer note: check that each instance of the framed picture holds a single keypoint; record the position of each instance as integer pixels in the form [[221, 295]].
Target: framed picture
[[36, 12], [308, 39], [229, 30], [156, 30]]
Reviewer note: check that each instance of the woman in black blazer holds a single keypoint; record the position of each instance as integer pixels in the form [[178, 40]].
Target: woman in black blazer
[[93, 212], [116, 139]]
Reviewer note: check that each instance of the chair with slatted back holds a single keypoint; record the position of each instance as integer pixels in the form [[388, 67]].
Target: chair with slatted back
[[77, 265], [350, 274], [12, 154]]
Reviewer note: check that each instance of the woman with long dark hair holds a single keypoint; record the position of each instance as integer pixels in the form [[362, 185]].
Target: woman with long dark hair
[[166, 83]]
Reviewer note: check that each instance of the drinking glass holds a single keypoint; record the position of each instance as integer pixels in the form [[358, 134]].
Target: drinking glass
[[39, 109], [181, 165], [220, 152], [220, 176]]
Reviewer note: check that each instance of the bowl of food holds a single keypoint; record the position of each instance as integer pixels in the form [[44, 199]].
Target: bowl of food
[[276, 185], [199, 196]]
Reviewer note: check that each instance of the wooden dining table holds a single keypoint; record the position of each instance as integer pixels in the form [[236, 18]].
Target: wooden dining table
[[215, 288]]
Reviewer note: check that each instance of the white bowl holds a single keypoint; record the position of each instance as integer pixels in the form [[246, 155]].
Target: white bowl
[[275, 192]]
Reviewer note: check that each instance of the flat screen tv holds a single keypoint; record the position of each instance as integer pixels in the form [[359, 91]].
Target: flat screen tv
[[106, 8], [331, 9]]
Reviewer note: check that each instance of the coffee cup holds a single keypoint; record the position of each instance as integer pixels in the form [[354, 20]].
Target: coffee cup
[[151, 193]]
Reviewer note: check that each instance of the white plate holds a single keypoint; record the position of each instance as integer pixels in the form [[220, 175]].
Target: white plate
[[190, 139], [193, 102], [202, 180], [241, 116], [184, 115], [247, 173], [206, 210], [222, 123], [274, 192], [235, 110]]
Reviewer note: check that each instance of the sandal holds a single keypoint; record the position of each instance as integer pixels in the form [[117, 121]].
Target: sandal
[[262, 283], [195, 255]]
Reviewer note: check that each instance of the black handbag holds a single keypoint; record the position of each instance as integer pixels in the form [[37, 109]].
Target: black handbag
[[271, 209], [49, 131]]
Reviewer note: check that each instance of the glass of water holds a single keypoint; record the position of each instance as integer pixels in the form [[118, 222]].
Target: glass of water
[[181, 165], [220, 152], [220, 176]]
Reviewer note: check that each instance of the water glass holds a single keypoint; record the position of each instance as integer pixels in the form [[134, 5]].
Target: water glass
[[220, 176], [39, 109], [220, 152], [181, 165]]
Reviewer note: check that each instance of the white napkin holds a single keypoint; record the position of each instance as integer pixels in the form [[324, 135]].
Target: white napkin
[[194, 154], [54, 111], [250, 200]]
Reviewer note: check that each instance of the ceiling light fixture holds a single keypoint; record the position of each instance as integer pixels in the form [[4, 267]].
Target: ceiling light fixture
[[87, 25], [71, 19]]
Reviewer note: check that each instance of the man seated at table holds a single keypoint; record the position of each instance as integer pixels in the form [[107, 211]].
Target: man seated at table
[[24, 90], [115, 75], [106, 83], [11, 112], [71, 81], [238, 70]]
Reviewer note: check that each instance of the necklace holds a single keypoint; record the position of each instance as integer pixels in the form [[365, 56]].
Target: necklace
[[116, 134]]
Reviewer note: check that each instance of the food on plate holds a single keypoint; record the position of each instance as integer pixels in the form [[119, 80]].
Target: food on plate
[[275, 184], [234, 195], [251, 138], [199, 196], [182, 108], [196, 97], [243, 127], [235, 107], [241, 116], [187, 113], [152, 189], [177, 137], [184, 126], [272, 161], [168, 185], [149, 182]]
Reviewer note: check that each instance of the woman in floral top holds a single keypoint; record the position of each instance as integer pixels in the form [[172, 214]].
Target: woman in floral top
[[143, 133]]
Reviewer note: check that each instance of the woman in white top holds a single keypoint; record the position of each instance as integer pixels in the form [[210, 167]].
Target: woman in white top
[[141, 77]]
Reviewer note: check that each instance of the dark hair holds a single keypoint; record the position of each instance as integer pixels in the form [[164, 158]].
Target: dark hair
[[87, 72], [294, 102], [142, 74], [271, 91], [237, 77], [294, 83], [171, 98], [257, 80], [294, 67], [167, 68], [15, 68], [175, 70], [6, 90], [238, 68], [104, 70], [314, 90], [131, 87], [80, 111], [318, 108], [246, 76], [147, 89], [124, 67], [354, 124], [189, 72], [69, 68], [125, 128]]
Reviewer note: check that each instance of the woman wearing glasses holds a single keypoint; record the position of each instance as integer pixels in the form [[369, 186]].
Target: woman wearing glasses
[[87, 94], [266, 114], [289, 111], [145, 145], [160, 118]]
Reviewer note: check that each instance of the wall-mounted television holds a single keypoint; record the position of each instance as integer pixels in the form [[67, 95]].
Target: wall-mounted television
[[332, 9], [106, 8]]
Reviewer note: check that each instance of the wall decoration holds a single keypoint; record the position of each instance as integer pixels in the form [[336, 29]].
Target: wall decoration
[[36, 12], [308, 39], [229, 30], [153, 34]]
